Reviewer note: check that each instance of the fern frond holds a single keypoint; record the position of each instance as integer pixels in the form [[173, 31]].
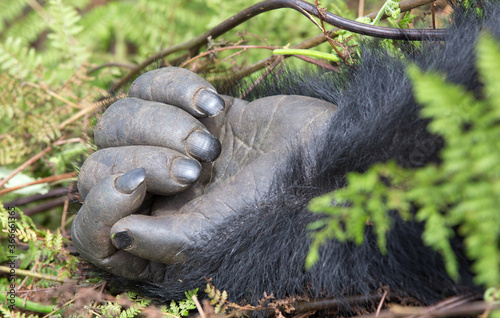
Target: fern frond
[[29, 28], [65, 26], [461, 192], [17, 59], [48, 238], [9, 11]]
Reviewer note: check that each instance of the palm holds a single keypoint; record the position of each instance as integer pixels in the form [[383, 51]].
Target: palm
[[256, 139]]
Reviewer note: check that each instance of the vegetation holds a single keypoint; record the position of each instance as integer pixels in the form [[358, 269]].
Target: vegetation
[[462, 192], [58, 60]]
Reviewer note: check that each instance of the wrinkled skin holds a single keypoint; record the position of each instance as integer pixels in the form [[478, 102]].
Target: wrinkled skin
[[175, 159]]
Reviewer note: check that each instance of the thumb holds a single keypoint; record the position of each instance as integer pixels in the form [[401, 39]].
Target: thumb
[[163, 239], [112, 199]]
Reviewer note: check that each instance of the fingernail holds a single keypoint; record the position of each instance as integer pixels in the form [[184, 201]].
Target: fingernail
[[203, 146], [127, 183], [185, 171], [209, 102], [122, 239]]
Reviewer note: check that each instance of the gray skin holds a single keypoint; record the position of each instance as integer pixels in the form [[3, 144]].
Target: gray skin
[[175, 160]]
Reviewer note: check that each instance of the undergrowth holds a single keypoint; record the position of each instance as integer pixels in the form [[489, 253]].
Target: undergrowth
[[57, 60], [462, 192]]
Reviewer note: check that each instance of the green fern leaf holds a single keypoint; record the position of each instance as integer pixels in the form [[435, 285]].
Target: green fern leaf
[[9, 11], [65, 27], [17, 60]]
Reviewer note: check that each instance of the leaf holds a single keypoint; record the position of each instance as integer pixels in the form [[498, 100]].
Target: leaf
[[17, 59], [463, 191]]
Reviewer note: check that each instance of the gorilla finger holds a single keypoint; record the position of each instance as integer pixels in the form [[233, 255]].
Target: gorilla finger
[[178, 87], [167, 171], [155, 124], [156, 238], [166, 238], [124, 264], [113, 198]]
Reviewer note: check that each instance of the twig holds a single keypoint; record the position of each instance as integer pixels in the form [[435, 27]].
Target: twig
[[50, 314], [33, 270], [24, 272], [87, 110], [462, 310], [323, 29], [196, 43], [64, 176], [64, 213], [319, 63], [314, 41], [361, 8], [51, 93], [44, 206], [98, 298], [67, 141], [39, 9], [302, 306], [111, 64], [381, 303], [232, 47], [433, 9], [276, 62], [32, 160], [198, 306], [24, 165], [456, 306], [37, 197]]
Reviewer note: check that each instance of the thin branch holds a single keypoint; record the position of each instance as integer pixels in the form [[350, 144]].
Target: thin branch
[[87, 110], [44, 206], [53, 94], [67, 141], [112, 64], [24, 272], [196, 43], [198, 306], [461, 305], [274, 63], [361, 8], [433, 9], [381, 303], [65, 210], [24, 165], [469, 309], [50, 314], [321, 11], [302, 306], [349, 25], [318, 63], [312, 42], [37, 197], [232, 47], [64, 176]]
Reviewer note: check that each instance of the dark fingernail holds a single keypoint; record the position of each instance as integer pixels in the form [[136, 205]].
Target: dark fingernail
[[203, 146], [185, 171], [122, 239], [127, 183], [209, 102]]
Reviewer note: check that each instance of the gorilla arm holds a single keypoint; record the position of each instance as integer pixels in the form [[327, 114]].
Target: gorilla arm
[[242, 219]]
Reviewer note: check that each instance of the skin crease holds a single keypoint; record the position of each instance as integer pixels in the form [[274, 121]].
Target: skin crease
[[256, 139]]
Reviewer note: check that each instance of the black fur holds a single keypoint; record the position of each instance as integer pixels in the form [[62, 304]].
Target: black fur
[[263, 250]]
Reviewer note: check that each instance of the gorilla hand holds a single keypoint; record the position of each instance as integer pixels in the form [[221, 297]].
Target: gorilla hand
[[121, 227]]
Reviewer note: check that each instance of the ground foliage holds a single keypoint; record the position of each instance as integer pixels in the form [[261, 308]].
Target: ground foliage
[[51, 90], [462, 192]]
